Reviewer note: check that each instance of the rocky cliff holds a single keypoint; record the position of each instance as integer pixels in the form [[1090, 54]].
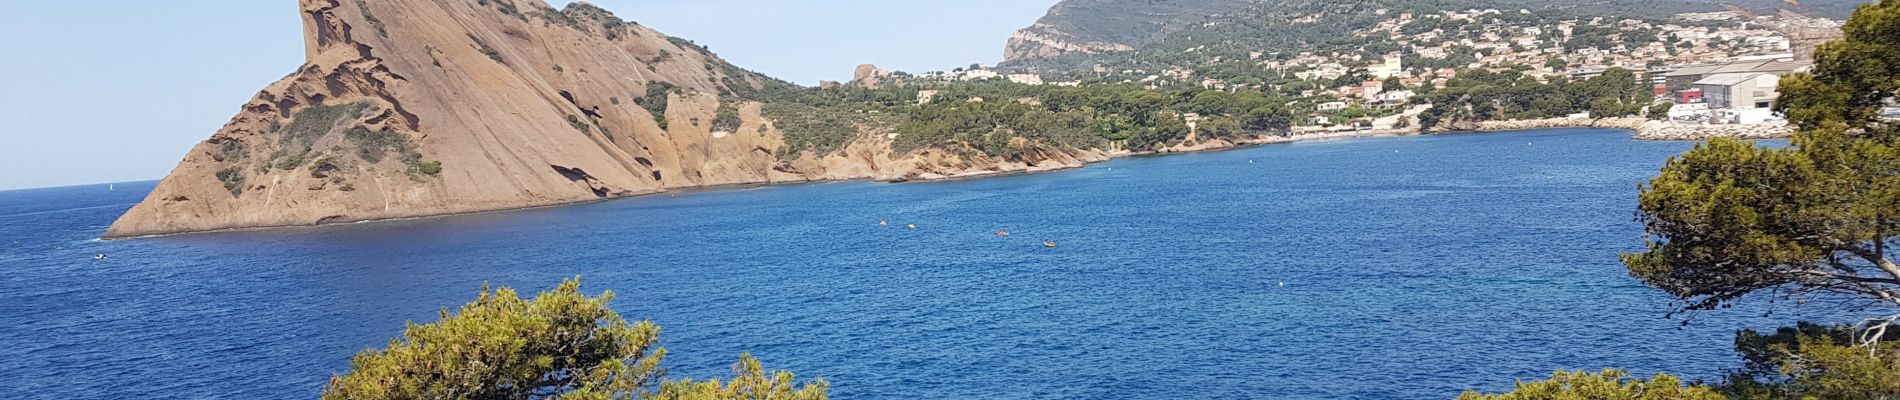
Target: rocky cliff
[[409, 108], [1103, 26]]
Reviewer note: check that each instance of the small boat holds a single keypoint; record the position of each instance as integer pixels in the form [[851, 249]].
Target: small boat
[[883, 223], [913, 227], [1048, 244], [100, 257], [1002, 233]]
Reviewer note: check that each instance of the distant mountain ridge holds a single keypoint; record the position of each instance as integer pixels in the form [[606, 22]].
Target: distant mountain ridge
[[1085, 27]]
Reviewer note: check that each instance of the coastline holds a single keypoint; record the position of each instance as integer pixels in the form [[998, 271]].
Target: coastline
[[1637, 126]]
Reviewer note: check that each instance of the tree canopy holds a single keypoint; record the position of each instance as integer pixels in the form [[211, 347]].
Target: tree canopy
[[562, 344], [1482, 95], [1730, 218], [1610, 384], [1814, 219]]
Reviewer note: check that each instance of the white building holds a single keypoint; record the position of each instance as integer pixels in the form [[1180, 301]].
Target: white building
[[1396, 96], [1740, 90], [978, 74], [1392, 66], [1026, 79]]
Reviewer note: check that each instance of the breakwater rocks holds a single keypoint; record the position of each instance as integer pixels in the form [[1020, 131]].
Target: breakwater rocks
[[1643, 129], [1661, 130], [1549, 123]]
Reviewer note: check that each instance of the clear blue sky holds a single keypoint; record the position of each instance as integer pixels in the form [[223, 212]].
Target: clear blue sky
[[113, 91]]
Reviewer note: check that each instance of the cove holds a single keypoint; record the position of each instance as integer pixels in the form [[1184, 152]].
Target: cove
[[1370, 268]]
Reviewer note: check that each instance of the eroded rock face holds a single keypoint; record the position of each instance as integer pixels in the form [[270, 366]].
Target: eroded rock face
[[408, 108], [868, 75], [1044, 41]]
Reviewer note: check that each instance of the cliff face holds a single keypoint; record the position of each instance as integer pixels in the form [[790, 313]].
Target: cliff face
[[410, 108]]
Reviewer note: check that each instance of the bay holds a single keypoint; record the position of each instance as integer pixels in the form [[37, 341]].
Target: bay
[[1374, 268]]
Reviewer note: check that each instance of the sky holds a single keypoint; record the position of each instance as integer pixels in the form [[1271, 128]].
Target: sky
[[118, 90]]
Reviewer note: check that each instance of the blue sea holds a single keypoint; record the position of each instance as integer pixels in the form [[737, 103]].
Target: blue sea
[[1374, 268]]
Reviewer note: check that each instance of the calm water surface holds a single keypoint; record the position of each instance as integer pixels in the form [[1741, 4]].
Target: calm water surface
[[1383, 268]]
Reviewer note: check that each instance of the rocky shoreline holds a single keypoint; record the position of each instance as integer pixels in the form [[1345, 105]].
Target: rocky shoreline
[[1661, 130], [1048, 161]]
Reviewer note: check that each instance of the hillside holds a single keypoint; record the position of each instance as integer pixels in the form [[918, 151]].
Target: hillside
[[409, 108], [1079, 33]]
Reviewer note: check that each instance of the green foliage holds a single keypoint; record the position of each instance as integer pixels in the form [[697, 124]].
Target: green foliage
[[430, 168], [993, 128], [506, 7], [560, 344], [551, 16], [1220, 127], [233, 179], [318, 120], [808, 128], [229, 150], [371, 17], [750, 382], [482, 46], [1003, 119], [290, 161], [1162, 131], [580, 125], [608, 20], [1590, 37], [1729, 218], [1610, 384], [1482, 95], [1557, 63], [504, 347], [1852, 77], [373, 146], [726, 119], [655, 100], [1814, 361], [1659, 111]]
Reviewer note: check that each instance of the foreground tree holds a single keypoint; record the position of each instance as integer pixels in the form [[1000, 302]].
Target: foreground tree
[[1814, 361], [1730, 218], [1811, 221], [1610, 384], [561, 344]]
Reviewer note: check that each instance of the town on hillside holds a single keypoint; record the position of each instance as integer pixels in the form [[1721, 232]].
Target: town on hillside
[[1696, 70]]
